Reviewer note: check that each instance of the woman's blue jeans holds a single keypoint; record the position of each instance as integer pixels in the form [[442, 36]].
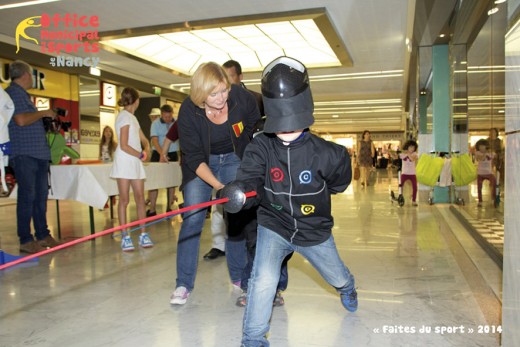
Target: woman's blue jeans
[[224, 167], [271, 249]]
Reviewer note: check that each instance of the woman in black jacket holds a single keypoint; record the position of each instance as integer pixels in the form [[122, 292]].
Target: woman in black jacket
[[215, 125]]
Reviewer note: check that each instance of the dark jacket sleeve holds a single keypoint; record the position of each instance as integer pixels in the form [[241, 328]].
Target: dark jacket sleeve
[[190, 136], [252, 171], [173, 132], [252, 114], [340, 174]]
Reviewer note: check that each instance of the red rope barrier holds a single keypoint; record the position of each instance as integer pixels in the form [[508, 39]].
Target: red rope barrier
[[124, 226]]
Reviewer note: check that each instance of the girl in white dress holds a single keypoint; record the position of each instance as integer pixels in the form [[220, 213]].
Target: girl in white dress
[[128, 167]]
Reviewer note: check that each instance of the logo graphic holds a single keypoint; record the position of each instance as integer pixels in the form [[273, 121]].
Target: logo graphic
[[305, 177], [307, 209], [22, 26], [276, 174], [277, 207], [69, 33]]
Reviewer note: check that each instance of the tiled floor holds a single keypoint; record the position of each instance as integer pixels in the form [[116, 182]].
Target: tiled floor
[[409, 272]]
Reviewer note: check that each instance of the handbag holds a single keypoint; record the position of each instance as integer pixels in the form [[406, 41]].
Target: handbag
[[357, 173]]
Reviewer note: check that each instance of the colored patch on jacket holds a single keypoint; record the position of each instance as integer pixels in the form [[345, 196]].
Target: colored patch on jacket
[[277, 207], [277, 174], [305, 177], [238, 128], [307, 209]]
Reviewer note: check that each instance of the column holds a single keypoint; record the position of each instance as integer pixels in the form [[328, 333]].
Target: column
[[441, 108], [511, 270]]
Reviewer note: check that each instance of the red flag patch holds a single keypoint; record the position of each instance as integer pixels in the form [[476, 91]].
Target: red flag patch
[[238, 128]]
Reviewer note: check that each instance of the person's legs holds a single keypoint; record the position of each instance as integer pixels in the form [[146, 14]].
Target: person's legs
[[138, 189], [172, 198], [363, 170], [271, 249], [195, 192], [413, 179], [41, 230], [492, 186], [225, 167], [284, 274], [236, 257], [480, 179], [218, 233], [325, 258], [250, 232], [218, 228], [413, 182], [123, 187], [26, 169], [152, 197], [152, 194]]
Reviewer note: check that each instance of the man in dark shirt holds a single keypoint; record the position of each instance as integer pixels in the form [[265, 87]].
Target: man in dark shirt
[[30, 159]]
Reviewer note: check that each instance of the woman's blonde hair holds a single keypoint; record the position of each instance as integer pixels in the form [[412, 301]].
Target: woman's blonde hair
[[204, 80]]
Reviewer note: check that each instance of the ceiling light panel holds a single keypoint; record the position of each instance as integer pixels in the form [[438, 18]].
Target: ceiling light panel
[[253, 44]]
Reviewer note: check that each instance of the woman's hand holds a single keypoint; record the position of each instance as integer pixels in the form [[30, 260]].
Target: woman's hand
[[164, 158]]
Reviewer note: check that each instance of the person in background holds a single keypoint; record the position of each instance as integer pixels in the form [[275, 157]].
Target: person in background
[[294, 174], [365, 157], [155, 113], [128, 168], [215, 125], [159, 129], [30, 158], [485, 159], [107, 145], [409, 160], [496, 146]]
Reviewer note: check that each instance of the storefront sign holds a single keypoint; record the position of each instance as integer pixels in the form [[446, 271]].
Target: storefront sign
[[47, 83]]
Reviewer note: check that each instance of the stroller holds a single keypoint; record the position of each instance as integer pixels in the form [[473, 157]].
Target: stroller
[[400, 198]]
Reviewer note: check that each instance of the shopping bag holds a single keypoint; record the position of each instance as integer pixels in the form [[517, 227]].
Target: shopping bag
[[357, 173], [428, 169], [463, 170]]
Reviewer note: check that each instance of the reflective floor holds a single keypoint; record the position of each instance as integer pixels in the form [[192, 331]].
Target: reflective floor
[[416, 269]]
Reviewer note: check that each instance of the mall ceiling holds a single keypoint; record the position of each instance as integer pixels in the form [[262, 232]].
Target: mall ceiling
[[372, 94]]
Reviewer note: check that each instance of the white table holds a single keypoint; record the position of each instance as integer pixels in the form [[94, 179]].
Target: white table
[[91, 184]]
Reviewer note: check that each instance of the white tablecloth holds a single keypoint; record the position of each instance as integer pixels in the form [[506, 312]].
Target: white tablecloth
[[92, 185]]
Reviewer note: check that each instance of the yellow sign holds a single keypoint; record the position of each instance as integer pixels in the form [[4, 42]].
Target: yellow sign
[[47, 83]]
